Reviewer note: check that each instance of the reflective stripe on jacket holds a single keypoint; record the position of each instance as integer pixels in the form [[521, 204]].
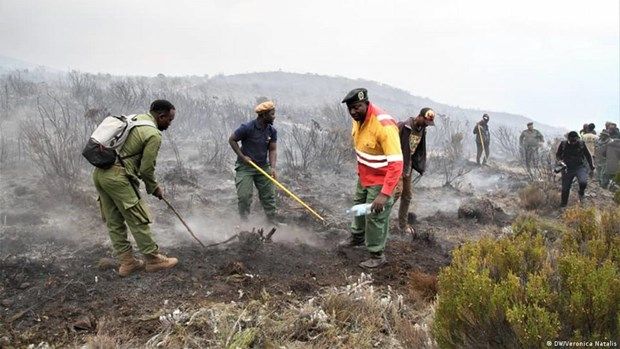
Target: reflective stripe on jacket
[[377, 149]]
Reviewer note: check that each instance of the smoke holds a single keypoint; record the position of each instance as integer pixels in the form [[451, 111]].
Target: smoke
[[429, 196], [213, 227], [426, 203]]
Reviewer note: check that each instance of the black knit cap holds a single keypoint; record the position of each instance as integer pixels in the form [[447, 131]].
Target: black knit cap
[[356, 95]]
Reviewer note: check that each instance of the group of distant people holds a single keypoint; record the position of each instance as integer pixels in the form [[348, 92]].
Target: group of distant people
[[602, 149], [530, 142], [581, 155]]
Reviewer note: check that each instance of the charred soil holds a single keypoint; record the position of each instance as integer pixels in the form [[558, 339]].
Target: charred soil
[[61, 299]]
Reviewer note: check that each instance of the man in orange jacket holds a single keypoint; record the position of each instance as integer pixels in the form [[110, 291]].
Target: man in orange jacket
[[379, 166]]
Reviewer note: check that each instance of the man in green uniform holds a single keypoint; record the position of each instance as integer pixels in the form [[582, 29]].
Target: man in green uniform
[[258, 144], [530, 141], [119, 196]]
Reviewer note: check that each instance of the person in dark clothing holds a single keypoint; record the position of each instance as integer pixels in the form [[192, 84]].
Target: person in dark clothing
[[412, 134], [572, 152], [483, 139]]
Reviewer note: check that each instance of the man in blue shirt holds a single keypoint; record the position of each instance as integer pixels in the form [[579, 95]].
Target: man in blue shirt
[[258, 144]]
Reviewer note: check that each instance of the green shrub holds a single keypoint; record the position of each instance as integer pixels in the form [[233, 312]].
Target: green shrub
[[547, 281]]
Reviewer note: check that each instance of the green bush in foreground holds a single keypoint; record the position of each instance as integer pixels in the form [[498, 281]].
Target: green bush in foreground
[[547, 281]]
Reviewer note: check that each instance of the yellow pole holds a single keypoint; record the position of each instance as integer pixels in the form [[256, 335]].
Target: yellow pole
[[286, 190], [482, 142]]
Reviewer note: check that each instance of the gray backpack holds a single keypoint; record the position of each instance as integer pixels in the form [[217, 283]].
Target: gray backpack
[[101, 150]]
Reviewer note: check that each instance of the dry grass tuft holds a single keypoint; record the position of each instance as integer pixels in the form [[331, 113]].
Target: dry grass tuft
[[101, 342], [539, 195], [104, 338], [532, 197], [358, 315], [422, 286]]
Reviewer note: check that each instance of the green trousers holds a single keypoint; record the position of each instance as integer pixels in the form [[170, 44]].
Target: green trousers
[[246, 178], [374, 226], [119, 205]]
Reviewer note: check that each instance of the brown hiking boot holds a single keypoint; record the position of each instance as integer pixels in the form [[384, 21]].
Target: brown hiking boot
[[157, 261], [128, 264]]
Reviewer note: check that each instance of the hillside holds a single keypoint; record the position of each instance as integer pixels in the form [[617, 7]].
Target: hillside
[[311, 90], [9, 64]]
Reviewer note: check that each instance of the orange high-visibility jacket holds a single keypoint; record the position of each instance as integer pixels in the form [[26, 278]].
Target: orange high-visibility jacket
[[377, 147]]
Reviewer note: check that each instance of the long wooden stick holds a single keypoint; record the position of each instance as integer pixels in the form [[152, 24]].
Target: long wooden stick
[[482, 143], [183, 221], [286, 191], [223, 242]]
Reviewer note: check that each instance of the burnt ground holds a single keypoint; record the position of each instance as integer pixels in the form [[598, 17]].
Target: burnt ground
[[61, 299], [58, 282]]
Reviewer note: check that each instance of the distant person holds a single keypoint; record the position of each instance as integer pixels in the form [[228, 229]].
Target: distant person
[[584, 130], [379, 166], [483, 139], [574, 154], [614, 132], [600, 158], [612, 165], [258, 145], [530, 142], [590, 138], [119, 197], [610, 126], [413, 144]]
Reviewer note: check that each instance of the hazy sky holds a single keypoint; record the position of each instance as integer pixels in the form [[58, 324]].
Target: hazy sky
[[554, 61]]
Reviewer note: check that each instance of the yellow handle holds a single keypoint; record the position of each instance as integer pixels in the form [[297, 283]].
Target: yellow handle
[[286, 190]]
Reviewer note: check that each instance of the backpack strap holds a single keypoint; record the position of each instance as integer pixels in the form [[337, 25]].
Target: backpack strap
[[138, 123], [128, 156], [144, 123]]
